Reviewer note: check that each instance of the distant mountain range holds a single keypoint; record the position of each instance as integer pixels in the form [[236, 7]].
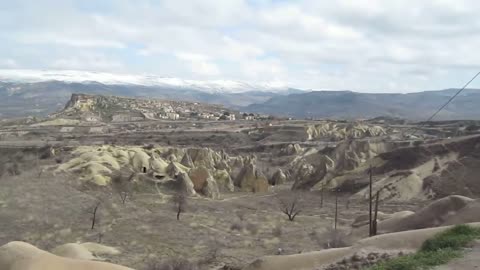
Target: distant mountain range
[[84, 77], [31, 92], [41, 98], [353, 105]]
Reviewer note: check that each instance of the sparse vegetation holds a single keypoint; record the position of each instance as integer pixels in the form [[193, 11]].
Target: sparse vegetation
[[179, 200], [45, 152], [122, 183], [252, 228], [13, 169], [240, 214], [331, 238], [277, 231], [436, 251], [290, 204], [172, 264], [237, 226]]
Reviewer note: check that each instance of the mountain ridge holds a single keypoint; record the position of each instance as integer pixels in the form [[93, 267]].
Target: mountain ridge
[[86, 77], [42, 98], [346, 104]]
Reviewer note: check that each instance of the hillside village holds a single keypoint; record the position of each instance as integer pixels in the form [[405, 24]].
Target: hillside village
[[99, 108]]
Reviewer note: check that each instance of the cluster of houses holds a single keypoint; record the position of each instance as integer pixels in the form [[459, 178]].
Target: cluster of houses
[[95, 108]]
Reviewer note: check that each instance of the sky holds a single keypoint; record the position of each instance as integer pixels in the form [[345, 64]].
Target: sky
[[361, 45]]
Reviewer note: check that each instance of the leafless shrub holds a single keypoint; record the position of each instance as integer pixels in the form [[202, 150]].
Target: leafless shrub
[[236, 226], [122, 183], [172, 264], [290, 204], [211, 257], [179, 201], [330, 239]]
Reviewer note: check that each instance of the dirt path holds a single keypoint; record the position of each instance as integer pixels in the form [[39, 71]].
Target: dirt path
[[471, 260]]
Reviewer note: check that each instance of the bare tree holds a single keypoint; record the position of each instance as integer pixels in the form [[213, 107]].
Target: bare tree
[[180, 202], [336, 208], [94, 214], [290, 205], [123, 184], [321, 195]]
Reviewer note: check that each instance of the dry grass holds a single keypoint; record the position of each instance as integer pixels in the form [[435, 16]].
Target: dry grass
[[277, 231], [172, 264]]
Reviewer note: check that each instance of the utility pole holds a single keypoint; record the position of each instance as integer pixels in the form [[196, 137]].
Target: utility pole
[[370, 231], [336, 208], [321, 195], [374, 223]]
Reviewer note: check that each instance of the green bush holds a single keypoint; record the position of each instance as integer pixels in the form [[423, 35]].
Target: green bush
[[455, 238], [438, 250]]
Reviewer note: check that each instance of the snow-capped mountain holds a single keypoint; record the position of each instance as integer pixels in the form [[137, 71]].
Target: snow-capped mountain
[[40, 92], [75, 76]]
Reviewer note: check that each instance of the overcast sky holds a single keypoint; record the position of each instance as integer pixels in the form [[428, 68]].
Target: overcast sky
[[362, 45]]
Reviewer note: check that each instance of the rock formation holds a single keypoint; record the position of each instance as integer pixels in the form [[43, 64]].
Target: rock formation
[[337, 131], [250, 179], [210, 189], [278, 178], [224, 181], [185, 184], [308, 176], [199, 176], [292, 149], [187, 161]]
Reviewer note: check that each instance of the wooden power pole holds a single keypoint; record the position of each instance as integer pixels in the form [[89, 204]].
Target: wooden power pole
[[370, 231]]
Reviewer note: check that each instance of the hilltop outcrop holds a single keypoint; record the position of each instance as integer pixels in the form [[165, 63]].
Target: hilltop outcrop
[[102, 108]]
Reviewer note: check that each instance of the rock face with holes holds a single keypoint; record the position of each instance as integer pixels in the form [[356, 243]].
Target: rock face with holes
[[200, 171]]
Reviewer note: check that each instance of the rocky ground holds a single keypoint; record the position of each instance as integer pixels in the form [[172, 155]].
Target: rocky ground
[[238, 177]]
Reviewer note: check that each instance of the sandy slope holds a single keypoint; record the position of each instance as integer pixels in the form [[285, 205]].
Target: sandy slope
[[23, 256], [404, 241]]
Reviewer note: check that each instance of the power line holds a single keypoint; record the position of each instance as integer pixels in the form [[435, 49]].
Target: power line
[[446, 103]]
